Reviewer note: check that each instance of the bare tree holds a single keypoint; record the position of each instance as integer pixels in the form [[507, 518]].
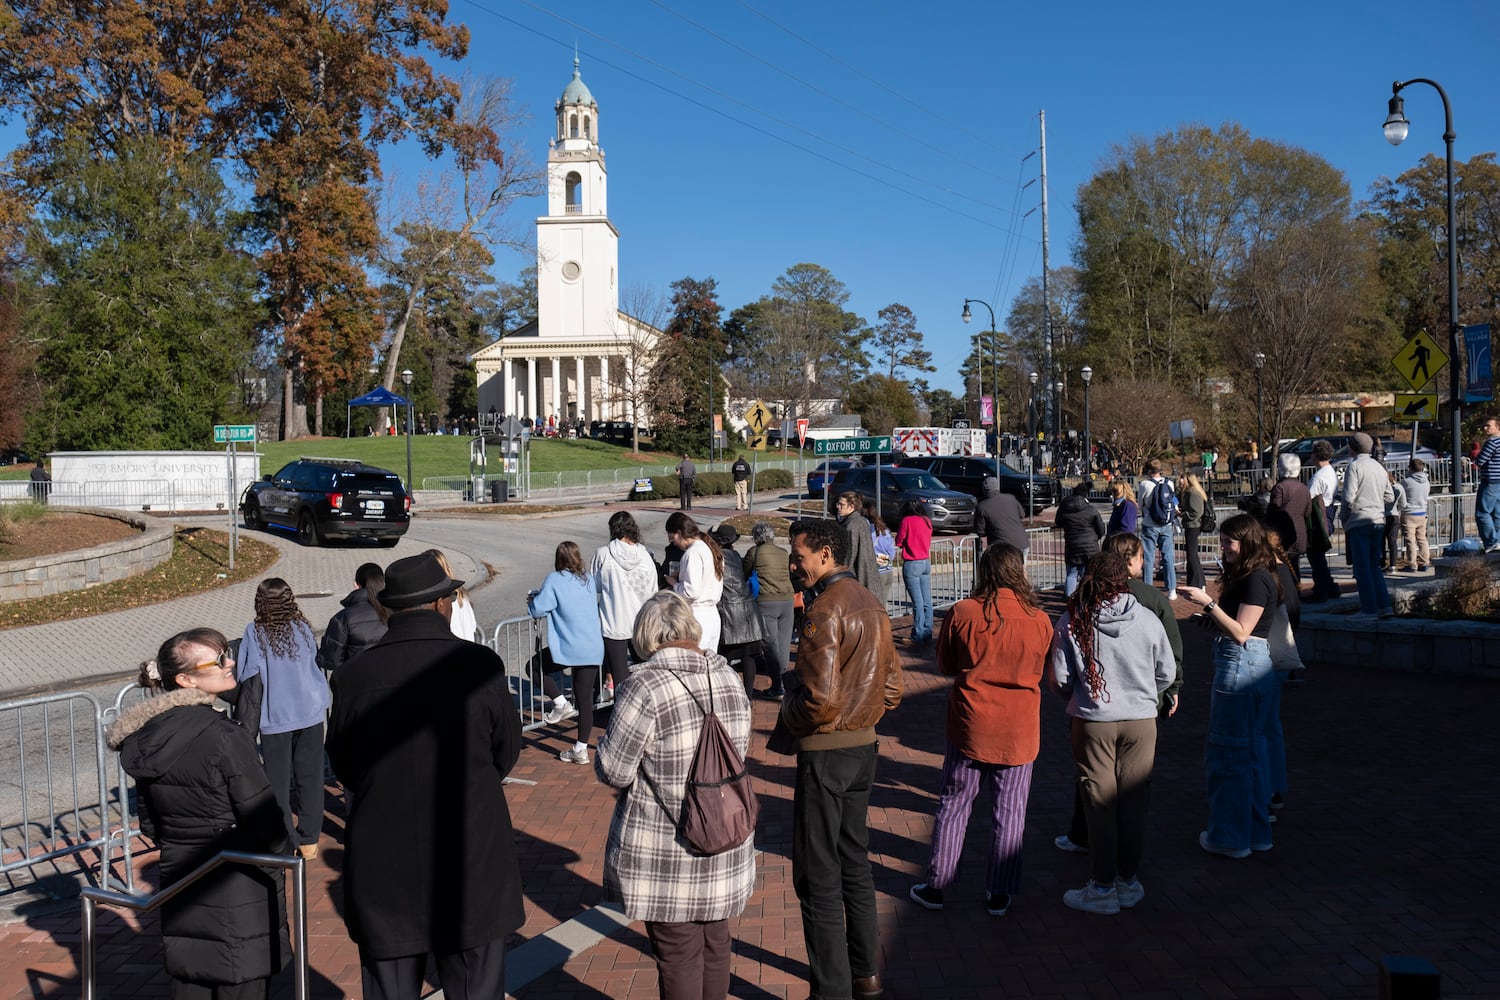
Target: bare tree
[[443, 224], [1303, 299], [1131, 415], [638, 335]]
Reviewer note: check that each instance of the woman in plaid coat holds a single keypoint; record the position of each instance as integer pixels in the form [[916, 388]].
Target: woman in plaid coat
[[685, 898]]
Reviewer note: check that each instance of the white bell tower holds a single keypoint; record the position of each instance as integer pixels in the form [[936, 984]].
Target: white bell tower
[[577, 246]]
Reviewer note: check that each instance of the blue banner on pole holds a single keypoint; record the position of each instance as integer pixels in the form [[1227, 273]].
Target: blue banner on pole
[[1479, 386]]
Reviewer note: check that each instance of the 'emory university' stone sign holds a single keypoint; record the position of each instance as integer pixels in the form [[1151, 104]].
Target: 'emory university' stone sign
[[161, 480]]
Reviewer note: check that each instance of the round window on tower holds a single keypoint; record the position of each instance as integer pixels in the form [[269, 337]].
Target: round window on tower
[[571, 270]]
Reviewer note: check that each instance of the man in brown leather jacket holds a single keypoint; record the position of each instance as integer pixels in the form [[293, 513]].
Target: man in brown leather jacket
[[847, 677]]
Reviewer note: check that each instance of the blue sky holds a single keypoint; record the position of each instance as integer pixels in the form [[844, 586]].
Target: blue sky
[[884, 140], [893, 156]]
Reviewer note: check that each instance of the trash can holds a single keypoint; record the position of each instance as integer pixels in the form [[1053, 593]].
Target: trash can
[[499, 490]]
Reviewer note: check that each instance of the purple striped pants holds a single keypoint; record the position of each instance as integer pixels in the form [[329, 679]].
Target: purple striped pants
[[1011, 787]]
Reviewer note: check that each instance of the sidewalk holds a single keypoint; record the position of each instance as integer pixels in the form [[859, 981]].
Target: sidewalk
[[116, 643], [1379, 851]]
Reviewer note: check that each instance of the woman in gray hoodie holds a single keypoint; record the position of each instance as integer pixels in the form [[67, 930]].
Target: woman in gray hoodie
[[1111, 659]]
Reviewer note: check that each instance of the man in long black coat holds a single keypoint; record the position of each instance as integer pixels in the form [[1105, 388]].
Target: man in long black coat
[[422, 733]]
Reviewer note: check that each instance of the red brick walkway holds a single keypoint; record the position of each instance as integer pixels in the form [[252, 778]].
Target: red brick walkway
[[1380, 850]]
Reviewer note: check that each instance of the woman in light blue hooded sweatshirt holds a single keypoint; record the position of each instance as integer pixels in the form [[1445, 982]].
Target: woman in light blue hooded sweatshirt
[[1111, 659]]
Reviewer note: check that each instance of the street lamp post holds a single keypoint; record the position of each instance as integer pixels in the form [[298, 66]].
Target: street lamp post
[[1087, 374], [1396, 127], [995, 348], [406, 379], [1260, 420], [1057, 404], [1031, 447]]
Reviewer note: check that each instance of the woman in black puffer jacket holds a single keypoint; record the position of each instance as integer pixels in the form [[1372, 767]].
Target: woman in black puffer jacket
[[202, 790]]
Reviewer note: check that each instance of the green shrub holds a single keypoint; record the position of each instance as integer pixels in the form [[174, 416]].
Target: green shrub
[[774, 479]]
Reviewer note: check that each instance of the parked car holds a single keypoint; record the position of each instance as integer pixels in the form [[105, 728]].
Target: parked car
[[613, 431], [320, 498], [1397, 456], [967, 474], [817, 479], [950, 510]]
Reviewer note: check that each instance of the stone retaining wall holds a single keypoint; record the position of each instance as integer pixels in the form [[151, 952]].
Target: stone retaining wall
[[44, 576], [1333, 634]]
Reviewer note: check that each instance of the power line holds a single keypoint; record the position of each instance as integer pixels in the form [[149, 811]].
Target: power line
[[822, 92], [958, 126], [740, 121]]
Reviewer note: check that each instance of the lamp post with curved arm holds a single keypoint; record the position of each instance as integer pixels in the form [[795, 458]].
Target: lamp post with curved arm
[[1395, 128], [995, 364]]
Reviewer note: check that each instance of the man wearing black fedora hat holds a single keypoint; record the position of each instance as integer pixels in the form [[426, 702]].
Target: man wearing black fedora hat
[[422, 734]]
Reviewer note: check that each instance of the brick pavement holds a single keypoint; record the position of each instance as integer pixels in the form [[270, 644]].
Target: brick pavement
[[1379, 850]]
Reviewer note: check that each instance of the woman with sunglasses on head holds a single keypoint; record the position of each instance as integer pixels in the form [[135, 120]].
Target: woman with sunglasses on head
[[280, 648], [201, 790]]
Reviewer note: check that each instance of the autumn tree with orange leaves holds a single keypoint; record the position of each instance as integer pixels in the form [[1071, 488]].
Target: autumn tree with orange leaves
[[299, 95]]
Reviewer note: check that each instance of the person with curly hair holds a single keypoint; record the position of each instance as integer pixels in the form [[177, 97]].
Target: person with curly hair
[[994, 644], [201, 790], [280, 648], [1111, 659]]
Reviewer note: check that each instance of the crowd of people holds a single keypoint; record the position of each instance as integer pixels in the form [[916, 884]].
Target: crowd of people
[[420, 727]]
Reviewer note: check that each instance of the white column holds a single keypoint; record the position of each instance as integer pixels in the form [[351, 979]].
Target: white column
[[556, 388], [634, 389], [508, 390], [603, 404], [531, 397], [583, 412]]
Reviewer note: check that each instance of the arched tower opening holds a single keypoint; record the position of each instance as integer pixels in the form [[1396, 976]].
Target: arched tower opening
[[573, 193]]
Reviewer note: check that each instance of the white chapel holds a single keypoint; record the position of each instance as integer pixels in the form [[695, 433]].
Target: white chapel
[[581, 357]]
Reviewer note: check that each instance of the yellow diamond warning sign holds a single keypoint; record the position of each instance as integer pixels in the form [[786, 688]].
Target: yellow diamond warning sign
[[1419, 360]]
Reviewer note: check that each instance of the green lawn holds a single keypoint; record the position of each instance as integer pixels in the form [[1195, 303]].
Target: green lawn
[[442, 455]]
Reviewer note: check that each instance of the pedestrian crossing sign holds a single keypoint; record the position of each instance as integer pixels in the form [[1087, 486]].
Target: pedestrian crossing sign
[[1419, 360], [758, 416]]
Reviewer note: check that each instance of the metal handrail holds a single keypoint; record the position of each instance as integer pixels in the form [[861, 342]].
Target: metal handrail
[[145, 904]]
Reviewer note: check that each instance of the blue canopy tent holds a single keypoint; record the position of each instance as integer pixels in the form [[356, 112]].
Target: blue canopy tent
[[381, 396]]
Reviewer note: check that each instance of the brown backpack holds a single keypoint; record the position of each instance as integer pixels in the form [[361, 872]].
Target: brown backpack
[[719, 807]]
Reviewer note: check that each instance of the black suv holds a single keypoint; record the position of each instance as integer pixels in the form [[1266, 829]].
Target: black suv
[[967, 474], [322, 498], [949, 510]]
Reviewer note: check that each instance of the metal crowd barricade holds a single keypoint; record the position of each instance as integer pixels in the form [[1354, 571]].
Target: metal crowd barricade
[[518, 641], [65, 803], [93, 898], [1045, 565]]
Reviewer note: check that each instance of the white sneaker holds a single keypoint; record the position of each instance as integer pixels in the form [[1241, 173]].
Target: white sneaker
[[561, 711], [573, 755], [1092, 899], [1130, 893], [1065, 843], [1171, 595]]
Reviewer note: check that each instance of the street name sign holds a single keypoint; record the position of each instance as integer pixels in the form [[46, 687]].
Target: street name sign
[[1419, 360], [852, 446], [239, 433]]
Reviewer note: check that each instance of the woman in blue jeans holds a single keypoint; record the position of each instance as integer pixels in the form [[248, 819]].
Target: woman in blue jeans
[[1236, 768], [914, 541]]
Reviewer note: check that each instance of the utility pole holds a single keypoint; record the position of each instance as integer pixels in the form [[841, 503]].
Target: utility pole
[[1047, 372]]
